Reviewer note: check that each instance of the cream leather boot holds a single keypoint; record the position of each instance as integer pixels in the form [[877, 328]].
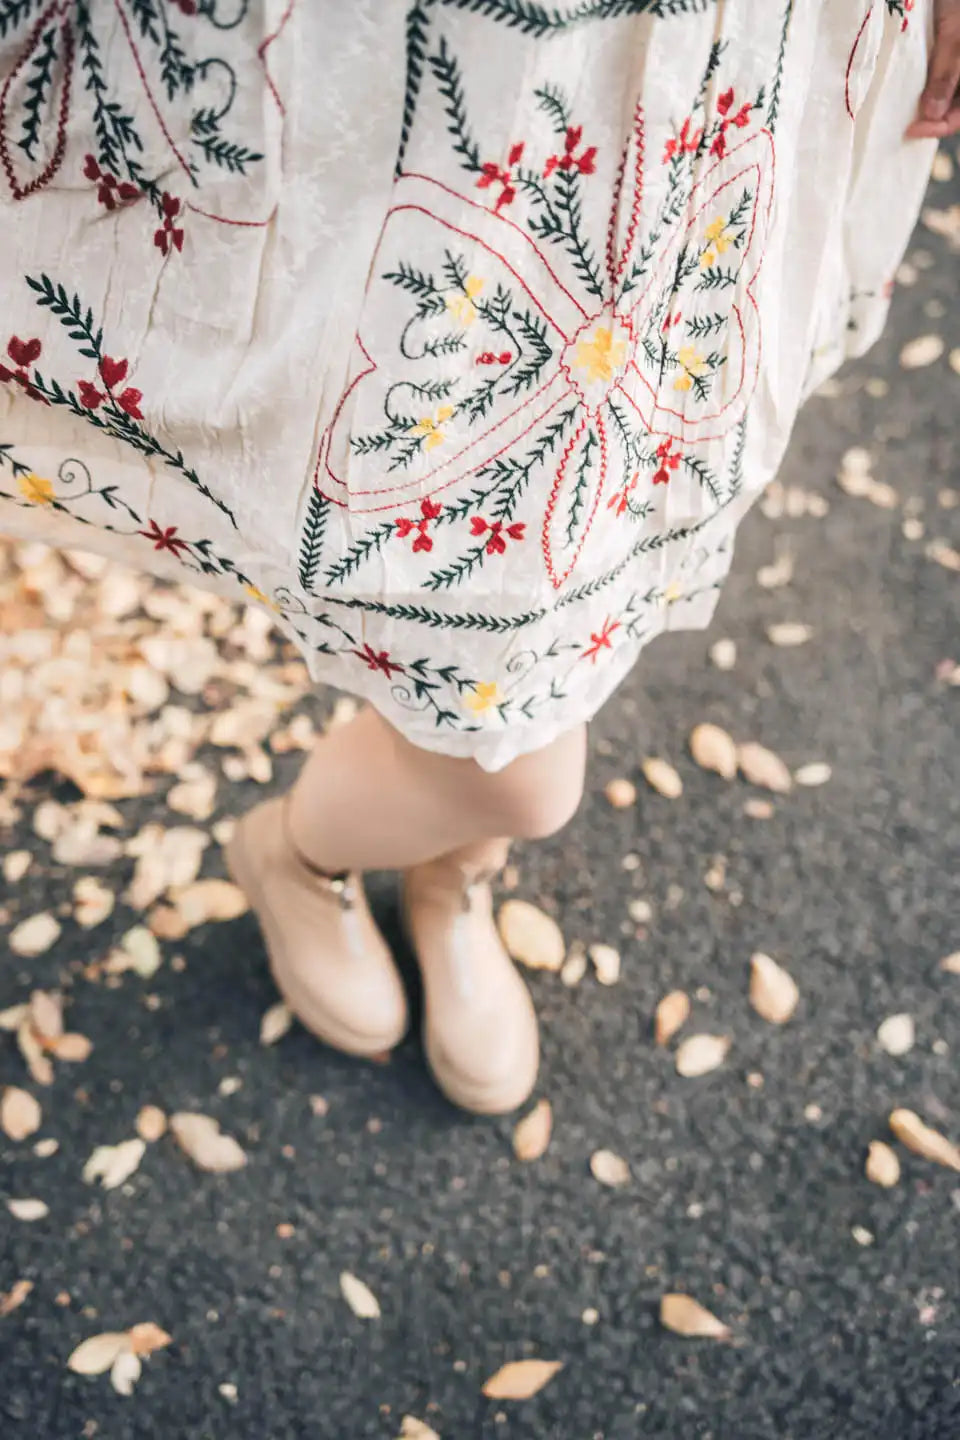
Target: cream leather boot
[[479, 1027], [329, 960]]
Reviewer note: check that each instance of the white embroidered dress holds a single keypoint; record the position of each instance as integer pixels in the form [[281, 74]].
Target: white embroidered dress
[[461, 333]]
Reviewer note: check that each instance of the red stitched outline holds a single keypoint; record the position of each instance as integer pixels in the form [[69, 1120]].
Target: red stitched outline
[[146, 85], [262, 57], [545, 545], [226, 220], [853, 52], [56, 160], [616, 272]]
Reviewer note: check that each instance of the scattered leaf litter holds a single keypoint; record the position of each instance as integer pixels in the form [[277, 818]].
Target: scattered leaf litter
[[882, 1167], [531, 936], [809, 776], [700, 1054], [121, 1352], [201, 1138], [685, 1316], [275, 1023], [359, 1297], [521, 1379], [16, 863], [789, 633], [413, 1429], [723, 654], [151, 1123], [773, 991], [621, 794], [606, 963], [29, 1209], [531, 1135], [661, 776], [764, 768], [35, 935], [93, 902], [951, 963], [20, 1113], [672, 1012], [713, 749], [14, 1297], [112, 1165], [924, 350], [897, 1034], [574, 967], [923, 1140], [609, 1168]]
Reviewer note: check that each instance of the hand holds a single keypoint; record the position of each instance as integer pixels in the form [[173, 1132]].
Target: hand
[[938, 113]]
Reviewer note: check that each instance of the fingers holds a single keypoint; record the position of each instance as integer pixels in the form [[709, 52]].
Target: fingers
[[938, 113]]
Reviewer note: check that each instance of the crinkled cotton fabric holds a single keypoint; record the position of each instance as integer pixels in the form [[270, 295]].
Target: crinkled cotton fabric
[[460, 333]]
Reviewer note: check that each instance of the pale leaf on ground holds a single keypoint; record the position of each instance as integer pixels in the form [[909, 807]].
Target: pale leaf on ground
[[34, 936], [147, 1337], [20, 1113], [713, 749], [29, 1209], [789, 633], [882, 1166], [413, 1429], [72, 1047], [359, 1297], [125, 1372], [138, 951], [96, 1355], [13, 1017], [16, 863], [275, 1023], [32, 1051], [723, 654], [621, 793], [672, 1012], [46, 1013], [661, 776], [531, 936], [92, 902], [201, 1138], [923, 1140], [606, 963], [195, 798], [113, 1164], [897, 1034], [151, 1123], [574, 967], [531, 1135], [762, 767], [685, 1316], [818, 772], [206, 900], [951, 963], [14, 1297], [43, 1149], [700, 1054], [773, 991], [609, 1168], [521, 1379], [924, 350]]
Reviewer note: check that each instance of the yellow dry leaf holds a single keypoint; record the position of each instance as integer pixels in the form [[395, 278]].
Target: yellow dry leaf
[[147, 1337], [201, 1138], [14, 1297], [275, 1023], [762, 767], [662, 777], [713, 749], [413, 1429], [531, 1135], [531, 936], [151, 1123], [882, 1166], [700, 1054], [609, 1168], [773, 992], [359, 1297], [96, 1355], [521, 1379], [207, 900], [32, 1052], [684, 1316], [72, 1047], [923, 1140], [672, 1012], [20, 1113], [46, 1014]]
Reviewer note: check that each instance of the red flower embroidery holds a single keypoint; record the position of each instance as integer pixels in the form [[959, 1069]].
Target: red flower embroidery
[[168, 234], [621, 499], [22, 353], [112, 372], [686, 143], [496, 545], [740, 119], [487, 357], [129, 401], [377, 661], [585, 162], [429, 510], [111, 191], [601, 641], [186, 7], [670, 320], [493, 174], [164, 539], [90, 396], [669, 460]]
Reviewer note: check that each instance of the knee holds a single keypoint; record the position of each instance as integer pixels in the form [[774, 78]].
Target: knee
[[541, 792]]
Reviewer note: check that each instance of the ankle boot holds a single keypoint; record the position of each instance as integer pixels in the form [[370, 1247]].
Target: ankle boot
[[480, 1028], [329, 960]]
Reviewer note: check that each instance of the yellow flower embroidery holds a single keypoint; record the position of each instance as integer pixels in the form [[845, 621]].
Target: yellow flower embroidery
[[601, 356], [485, 696], [720, 242], [673, 592], [692, 365], [35, 489], [461, 307], [429, 425], [257, 594]]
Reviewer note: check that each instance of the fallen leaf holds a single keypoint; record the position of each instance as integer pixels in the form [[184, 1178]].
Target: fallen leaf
[[16, 863], [897, 1034], [14, 1297], [28, 1209], [201, 1138], [788, 633], [92, 902], [20, 1114], [672, 1012], [12, 1018], [773, 992], [954, 358], [945, 223], [204, 901], [531, 936], [359, 1297], [195, 798], [606, 962], [71, 1047], [35, 935], [942, 166], [574, 967], [882, 1166], [609, 1168], [723, 654], [757, 809], [147, 1337], [684, 1316], [780, 573], [96, 1355], [521, 1379], [413, 1429], [700, 1054], [46, 1014], [125, 1372], [924, 350], [32, 1051], [138, 951], [661, 776], [151, 1123], [531, 1135], [762, 767], [951, 963], [275, 1023], [621, 794], [818, 772], [43, 1149], [713, 749], [923, 1140], [113, 1164]]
